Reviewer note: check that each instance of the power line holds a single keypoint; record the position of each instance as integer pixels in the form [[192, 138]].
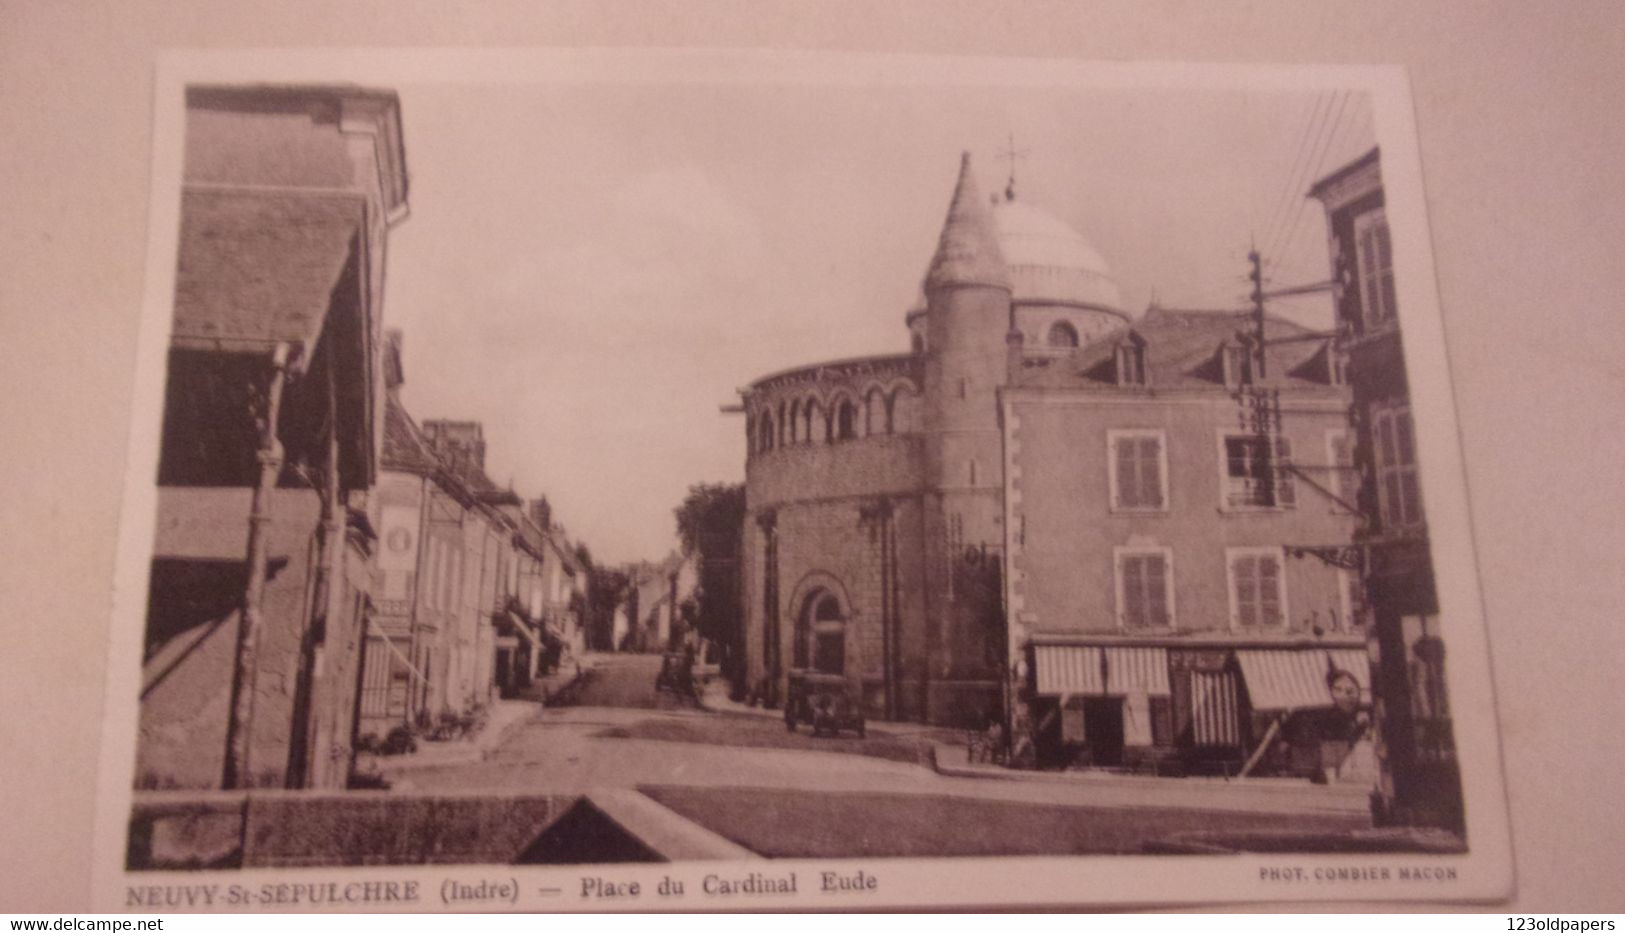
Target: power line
[[1297, 216], [1344, 146], [1312, 167], [1284, 200]]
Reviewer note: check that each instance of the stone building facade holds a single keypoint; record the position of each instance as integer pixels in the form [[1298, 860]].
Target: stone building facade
[[875, 486], [945, 528]]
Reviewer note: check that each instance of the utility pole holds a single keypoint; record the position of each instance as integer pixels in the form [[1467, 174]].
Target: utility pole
[[1257, 278]]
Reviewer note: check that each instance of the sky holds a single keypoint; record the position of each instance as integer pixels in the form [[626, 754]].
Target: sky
[[593, 269]]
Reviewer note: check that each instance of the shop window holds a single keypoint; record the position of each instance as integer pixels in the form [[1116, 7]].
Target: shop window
[[1162, 721], [1144, 588], [1138, 468], [1257, 588]]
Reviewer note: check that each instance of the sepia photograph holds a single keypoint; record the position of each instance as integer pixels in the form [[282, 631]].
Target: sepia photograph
[[754, 480]]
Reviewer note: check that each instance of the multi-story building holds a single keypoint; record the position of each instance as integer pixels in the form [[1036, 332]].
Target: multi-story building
[[1420, 780], [504, 557], [1053, 512], [416, 668], [1157, 616], [272, 417]]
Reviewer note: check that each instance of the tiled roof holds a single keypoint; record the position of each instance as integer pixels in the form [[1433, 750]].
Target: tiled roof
[[257, 268], [404, 446], [1182, 350]]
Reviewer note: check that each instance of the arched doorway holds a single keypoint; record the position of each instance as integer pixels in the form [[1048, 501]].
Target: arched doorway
[[821, 633]]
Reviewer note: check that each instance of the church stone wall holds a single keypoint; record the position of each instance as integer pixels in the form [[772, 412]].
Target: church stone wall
[[866, 466], [833, 545]]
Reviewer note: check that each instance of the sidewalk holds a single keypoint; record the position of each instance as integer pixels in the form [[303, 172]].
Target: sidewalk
[[503, 716], [1266, 794]]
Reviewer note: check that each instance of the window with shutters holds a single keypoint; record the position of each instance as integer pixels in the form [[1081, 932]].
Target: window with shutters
[[1345, 477], [1145, 588], [1257, 587], [1374, 267], [1255, 472], [1138, 466], [1399, 491]]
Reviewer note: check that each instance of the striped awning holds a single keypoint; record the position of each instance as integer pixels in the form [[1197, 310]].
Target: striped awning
[[1065, 670], [1285, 679]]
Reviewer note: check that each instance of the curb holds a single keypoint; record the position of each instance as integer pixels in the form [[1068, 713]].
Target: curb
[[1306, 798]]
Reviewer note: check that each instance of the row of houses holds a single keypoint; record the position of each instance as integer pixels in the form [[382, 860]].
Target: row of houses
[[658, 605], [325, 570]]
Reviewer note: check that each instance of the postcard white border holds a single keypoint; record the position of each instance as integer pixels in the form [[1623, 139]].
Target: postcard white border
[[1484, 873]]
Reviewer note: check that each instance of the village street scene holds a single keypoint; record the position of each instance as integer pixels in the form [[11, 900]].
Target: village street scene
[[586, 475]]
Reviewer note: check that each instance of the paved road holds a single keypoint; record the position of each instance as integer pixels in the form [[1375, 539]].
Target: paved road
[[627, 681], [585, 747]]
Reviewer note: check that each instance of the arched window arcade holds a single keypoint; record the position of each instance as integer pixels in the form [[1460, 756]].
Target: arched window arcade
[[1062, 335]]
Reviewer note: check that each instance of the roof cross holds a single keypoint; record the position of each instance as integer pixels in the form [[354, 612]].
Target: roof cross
[[1011, 154]]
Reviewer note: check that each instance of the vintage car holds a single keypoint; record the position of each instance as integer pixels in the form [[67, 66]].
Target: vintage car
[[826, 702]]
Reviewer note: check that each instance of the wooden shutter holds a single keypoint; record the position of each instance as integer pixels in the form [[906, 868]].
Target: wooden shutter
[[1156, 590], [1244, 577], [1133, 592], [1128, 486], [1385, 270], [1286, 489], [1150, 472], [1269, 590]]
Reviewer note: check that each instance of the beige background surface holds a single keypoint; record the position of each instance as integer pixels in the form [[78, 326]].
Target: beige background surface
[[1519, 109]]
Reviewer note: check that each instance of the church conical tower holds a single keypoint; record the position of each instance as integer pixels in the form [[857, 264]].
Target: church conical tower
[[968, 321]]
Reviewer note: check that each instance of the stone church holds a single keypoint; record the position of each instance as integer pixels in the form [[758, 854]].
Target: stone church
[[1043, 487]]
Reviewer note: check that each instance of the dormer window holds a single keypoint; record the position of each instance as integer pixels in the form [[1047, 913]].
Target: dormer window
[[1238, 364], [1337, 367], [1131, 362]]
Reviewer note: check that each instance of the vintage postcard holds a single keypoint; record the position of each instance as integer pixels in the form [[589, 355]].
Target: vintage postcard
[[720, 480]]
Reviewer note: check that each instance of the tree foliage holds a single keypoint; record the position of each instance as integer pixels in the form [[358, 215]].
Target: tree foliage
[[709, 523]]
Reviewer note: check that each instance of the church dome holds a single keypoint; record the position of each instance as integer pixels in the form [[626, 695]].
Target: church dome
[[1049, 262]]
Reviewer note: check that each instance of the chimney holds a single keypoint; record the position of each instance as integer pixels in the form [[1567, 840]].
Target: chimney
[[460, 443]]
